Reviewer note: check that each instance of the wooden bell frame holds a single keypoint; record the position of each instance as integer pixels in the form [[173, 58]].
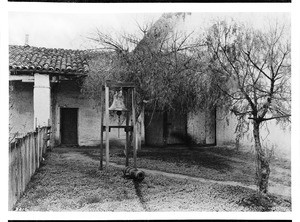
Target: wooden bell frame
[[129, 89]]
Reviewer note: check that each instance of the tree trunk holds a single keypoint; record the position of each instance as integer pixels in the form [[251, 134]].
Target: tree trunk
[[237, 143], [263, 168]]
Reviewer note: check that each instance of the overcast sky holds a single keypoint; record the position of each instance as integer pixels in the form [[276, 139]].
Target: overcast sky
[[55, 30]]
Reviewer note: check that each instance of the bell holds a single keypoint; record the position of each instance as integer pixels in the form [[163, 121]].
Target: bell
[[118, 102]]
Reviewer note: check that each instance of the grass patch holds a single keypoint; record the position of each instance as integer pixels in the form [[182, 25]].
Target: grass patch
[[71, 181], [89, 200], [215, 163], [264, 203]]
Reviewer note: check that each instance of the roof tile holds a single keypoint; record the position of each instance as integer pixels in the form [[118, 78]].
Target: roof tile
[[48, 59]]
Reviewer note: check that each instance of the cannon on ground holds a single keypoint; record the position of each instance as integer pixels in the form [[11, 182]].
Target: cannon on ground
[[134, 173]]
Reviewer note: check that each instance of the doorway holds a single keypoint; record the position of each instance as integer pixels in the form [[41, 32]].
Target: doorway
[[175, 128], [165, 128], [69, 126]]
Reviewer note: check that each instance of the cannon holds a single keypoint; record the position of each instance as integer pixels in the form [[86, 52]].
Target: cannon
[[133, 173]]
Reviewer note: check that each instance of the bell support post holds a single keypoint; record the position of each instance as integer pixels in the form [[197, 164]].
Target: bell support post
[[127, 143], [107, 124], [101, 130], [118, 106], [134, 129]]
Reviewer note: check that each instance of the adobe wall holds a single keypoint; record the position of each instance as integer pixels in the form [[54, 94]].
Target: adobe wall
[[196, 127], [21, 108], [68, 95], [154, 128], [201, 127], [272, 135]]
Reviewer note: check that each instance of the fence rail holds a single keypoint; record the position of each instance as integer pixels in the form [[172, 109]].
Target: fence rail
[[25, 155]]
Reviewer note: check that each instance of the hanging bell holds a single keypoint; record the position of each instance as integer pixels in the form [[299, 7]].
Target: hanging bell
[[118, 102]]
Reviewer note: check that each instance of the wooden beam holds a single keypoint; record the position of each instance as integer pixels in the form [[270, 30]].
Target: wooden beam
[[127, 144], [112, 84], [23, 78], [128, 128], [107, 124], [101, 130], [134, 129]]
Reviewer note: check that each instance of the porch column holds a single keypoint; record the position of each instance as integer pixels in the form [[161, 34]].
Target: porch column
[[41, 100]]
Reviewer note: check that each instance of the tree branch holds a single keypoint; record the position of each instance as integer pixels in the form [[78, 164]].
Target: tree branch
[[270, 118], [255, 65]]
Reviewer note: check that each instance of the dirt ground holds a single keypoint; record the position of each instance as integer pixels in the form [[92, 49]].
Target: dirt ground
[[211, 163], [70, 180]]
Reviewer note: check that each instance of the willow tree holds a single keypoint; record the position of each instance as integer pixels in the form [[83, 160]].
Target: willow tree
[[251, 70], [158, 60]]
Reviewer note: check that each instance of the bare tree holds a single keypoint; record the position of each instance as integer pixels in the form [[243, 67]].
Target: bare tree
[[160, 62], [251, 70]]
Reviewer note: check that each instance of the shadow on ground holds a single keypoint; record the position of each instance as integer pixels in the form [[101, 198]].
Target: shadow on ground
[[71, 180]]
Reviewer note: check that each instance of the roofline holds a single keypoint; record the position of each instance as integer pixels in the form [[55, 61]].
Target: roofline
[[52, 48], [33, 71]]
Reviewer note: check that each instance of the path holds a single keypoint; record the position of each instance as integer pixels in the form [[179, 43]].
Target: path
[[279, 190]]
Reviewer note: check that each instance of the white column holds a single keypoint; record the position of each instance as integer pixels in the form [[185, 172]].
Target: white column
[[41, 100]]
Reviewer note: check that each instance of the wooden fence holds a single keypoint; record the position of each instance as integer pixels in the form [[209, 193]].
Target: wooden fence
[[25, 155]]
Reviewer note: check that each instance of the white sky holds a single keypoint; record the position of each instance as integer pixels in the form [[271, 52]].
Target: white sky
[[56, 30], [68, 30]]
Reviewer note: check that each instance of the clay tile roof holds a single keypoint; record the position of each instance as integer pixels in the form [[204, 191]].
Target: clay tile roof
[[47, 60]]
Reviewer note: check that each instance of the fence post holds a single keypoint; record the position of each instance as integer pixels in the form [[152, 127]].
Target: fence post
[[40, 150], [11, 176], [41, 144], [19, 170], [27, 160], [14, 187], [37, 150], [34, 150], [32, 157], [30, 154], [23, 164], [33, 153], [24, 159], [43, 141]]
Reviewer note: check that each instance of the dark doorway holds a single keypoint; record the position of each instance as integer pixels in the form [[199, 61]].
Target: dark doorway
[[176, 128], [154, 131], [69, 126], [165, 128]]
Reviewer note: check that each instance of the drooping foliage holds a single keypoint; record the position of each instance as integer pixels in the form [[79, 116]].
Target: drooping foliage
[[162, 65]]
